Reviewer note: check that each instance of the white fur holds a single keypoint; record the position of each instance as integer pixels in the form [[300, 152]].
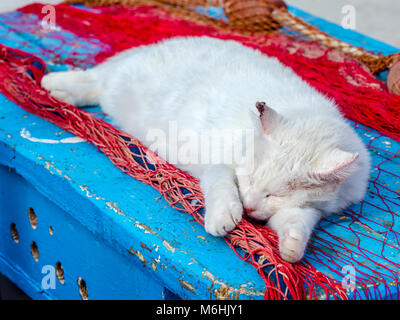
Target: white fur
[[308, 162]]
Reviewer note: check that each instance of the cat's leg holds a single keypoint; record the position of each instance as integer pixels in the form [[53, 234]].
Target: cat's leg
[[80, 88], [294, 227], [223, 206]]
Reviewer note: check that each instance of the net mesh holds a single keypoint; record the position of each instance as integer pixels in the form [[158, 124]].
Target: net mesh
[[365, 237]]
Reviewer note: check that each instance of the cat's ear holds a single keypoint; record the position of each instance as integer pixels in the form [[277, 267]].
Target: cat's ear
[[336, 166], [270, 119]]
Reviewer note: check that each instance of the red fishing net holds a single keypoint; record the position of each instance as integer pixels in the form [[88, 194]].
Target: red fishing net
[[359, 95]]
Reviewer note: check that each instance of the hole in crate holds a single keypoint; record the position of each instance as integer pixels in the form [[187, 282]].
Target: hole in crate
[[34, 251], [32, 218], [14, 232], [60, 272], [51, 230], [82, 289]]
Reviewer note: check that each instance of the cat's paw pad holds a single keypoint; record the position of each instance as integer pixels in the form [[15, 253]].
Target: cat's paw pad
[[223, 216], [292, 245]]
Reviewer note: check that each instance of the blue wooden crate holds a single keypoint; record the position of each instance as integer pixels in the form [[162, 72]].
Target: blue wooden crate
[[67, 214]]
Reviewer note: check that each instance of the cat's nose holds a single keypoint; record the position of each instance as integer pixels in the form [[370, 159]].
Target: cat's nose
[[260, 216], [247, 210]]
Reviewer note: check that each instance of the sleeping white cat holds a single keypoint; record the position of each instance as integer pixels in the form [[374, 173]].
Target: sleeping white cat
[[307, 161]]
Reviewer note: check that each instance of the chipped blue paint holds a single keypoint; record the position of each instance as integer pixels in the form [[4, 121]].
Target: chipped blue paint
[[107, 272], [117, 210]]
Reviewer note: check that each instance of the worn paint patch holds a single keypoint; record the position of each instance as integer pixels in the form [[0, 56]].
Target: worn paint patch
[[187, 285], [144, 246], [89, 194], [222, 291], [51, 168], [168, 246], [155, 263], [369, 230], [113, 206], [7, 134], [144, 227], [138, 254]]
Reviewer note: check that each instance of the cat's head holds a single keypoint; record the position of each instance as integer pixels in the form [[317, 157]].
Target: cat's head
[[297, 165]]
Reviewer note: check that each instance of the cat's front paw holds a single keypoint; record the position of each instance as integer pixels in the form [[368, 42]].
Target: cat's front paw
[[222, 216], [57, 84], [292, 244]]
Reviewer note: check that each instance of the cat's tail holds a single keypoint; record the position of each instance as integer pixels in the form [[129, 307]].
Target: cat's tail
[[79, 88]]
